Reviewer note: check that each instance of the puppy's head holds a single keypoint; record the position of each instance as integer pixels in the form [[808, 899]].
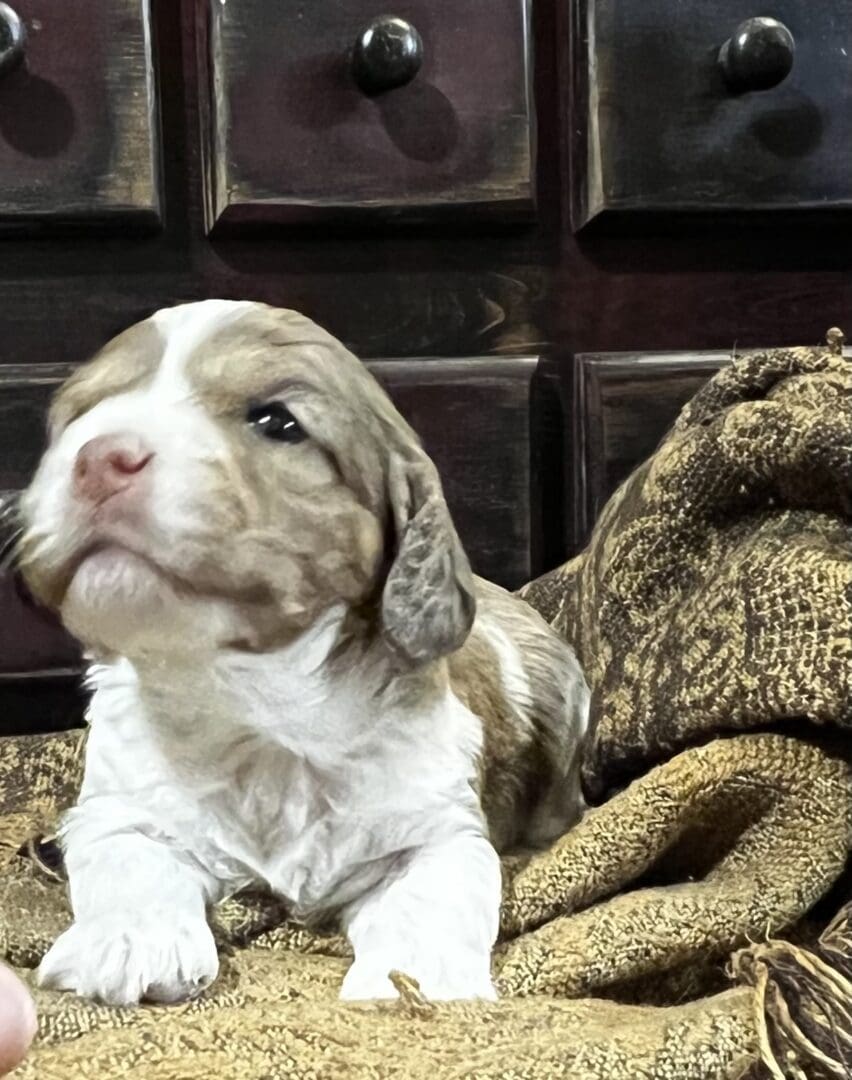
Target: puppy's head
[[225, 472]]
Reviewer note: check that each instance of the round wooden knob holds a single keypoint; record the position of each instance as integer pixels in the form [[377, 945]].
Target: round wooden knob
[[387, 54], [13, 39], [758, 56]]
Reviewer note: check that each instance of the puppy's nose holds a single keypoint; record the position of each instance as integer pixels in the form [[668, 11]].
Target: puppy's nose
[[109, 464]]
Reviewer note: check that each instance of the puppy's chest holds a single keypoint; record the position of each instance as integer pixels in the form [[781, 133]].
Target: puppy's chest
[[310, 832], [319, 815]]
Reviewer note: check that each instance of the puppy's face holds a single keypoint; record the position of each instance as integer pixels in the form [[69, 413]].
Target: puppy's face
[[224, 472]]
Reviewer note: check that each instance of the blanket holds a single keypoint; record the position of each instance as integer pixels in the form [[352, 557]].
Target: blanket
[[696, 924]]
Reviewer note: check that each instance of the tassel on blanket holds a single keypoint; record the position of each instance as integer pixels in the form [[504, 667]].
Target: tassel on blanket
[[803, 1001], [412, 1000], [46, 856]]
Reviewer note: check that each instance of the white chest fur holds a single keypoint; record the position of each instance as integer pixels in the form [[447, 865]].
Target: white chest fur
[[268, 770]]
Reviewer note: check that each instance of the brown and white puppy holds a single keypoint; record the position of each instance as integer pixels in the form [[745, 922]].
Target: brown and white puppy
[[297, 680]]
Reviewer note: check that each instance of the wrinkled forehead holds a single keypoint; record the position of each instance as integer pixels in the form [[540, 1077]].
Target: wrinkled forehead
[[220, 353]]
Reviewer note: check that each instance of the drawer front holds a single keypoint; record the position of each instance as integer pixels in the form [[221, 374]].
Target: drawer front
[[32, 642], [292, 136], [25, 394], [625, 404], [664, 125], [78, 115], [476, 420]]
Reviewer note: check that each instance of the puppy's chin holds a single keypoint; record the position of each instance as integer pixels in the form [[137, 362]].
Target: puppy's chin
[[121, 603]]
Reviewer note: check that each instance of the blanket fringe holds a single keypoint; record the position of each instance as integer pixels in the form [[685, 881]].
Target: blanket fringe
[[412, 1000], [803, 1003]]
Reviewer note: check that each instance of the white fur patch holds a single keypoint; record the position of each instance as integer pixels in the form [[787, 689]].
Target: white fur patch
[[184, 329]]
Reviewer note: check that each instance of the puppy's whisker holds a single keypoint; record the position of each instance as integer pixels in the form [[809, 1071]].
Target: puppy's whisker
[[30, 547], [11, 528], [10, 505], [9, 549]]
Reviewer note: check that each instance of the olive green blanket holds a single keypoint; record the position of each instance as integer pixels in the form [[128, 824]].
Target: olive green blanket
[[692, 926]]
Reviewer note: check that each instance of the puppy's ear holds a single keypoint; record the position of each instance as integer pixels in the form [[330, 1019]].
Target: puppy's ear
[[428, 603]]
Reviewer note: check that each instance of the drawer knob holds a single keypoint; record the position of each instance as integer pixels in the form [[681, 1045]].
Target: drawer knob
[[13, 39], [758, 56], [387, 54]]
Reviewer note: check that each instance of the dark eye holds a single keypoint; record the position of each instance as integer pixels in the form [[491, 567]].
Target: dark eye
[[275, 421]]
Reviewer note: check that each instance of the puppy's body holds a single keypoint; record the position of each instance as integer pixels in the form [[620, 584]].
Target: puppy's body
[[279, 706]]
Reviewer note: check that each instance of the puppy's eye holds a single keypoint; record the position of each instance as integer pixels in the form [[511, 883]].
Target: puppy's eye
[[275, 421]]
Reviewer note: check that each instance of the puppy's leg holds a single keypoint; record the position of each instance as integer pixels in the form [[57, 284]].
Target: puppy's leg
[[140, 928], [435, 918]]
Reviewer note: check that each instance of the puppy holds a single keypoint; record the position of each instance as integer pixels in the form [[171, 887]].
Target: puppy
[[297, 680]]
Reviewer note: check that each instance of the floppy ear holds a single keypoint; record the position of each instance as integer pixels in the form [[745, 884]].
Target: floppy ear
[[428, 603]]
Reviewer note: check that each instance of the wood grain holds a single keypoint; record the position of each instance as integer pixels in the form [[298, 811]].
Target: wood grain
[[465, 291], [659, 131], [289, 136], [79, 120], [25, 392]]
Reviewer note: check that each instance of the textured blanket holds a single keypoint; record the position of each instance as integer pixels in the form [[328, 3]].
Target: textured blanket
[[692, 926]]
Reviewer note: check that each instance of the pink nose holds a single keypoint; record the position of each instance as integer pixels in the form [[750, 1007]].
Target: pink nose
[[109, 464]]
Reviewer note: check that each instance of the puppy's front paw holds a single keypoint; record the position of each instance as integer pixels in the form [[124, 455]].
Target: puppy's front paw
[[125, 957], [441, 977]]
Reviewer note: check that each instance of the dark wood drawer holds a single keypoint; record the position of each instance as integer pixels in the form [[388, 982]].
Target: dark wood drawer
[[25, 394], [78, 115], [291, 136], [662, 127], [625, 404], [477, 420]]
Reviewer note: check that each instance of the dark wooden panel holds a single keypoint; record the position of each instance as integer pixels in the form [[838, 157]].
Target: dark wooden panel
[[474, 419], [659, 129], [625, 404], [32, 640], [291, 137], [421, 292], [25, 392], [79, 121], [414, 293]]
